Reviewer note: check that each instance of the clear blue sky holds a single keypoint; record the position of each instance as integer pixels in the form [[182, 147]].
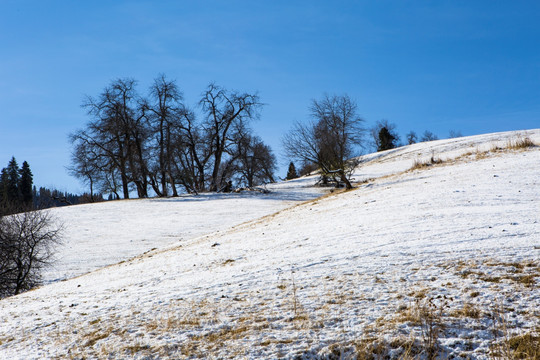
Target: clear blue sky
[[471, 66]]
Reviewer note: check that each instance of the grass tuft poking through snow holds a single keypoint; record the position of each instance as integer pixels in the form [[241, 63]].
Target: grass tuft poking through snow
[[520, 143]]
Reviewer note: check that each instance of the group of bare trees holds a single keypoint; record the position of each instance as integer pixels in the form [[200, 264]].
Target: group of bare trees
[[157, 143], [334, 136]]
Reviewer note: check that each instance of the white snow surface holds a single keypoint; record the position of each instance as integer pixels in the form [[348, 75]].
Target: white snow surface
[[96, 235], [282, 275]]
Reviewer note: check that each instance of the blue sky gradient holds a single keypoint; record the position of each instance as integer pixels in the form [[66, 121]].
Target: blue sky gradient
[[469, 66]]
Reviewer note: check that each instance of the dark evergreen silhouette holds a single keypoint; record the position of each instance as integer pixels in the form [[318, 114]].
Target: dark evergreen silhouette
[[12, 188], [25, 185], [44, 198], [387, 140], [3, 187], [387, 135], [291, 173], [18, 194], [12, 192]]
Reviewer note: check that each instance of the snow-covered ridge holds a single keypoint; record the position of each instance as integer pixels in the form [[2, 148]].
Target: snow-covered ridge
[[313, 279]]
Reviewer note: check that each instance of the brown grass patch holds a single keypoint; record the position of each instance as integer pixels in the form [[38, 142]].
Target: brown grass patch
[[520, 143], [265, 343], [418, 164], [375, 347], [526, 346], [222, 335], [527, 280], [467, 310], [522, 346], [134, 349], [93, 337]]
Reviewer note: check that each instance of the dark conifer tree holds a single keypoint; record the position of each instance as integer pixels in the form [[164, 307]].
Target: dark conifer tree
[[13, 195], [386, 139], [3, 188], [291, 173], [25, 185]]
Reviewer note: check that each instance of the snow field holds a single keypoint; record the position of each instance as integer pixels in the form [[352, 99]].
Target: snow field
[[330, 276], [101, 234]]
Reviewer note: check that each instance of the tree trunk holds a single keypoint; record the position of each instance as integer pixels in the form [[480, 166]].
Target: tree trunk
[[346, 181], [215, 173]]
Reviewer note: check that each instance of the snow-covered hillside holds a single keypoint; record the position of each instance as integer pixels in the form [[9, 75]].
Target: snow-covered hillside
[[447, 254], [97, 235]]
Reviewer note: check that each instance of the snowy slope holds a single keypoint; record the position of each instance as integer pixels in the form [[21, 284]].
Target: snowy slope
[[322, 277], [96, 235]]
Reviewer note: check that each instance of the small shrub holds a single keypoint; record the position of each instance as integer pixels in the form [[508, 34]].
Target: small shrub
[[431, 317]]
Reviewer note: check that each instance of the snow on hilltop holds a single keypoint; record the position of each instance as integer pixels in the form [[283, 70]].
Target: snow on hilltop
[[447, 255]]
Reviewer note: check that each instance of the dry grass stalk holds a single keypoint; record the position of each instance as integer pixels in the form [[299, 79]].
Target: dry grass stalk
[[520, 143]]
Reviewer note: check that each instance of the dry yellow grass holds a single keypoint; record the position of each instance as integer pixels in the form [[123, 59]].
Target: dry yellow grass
[[520, 143], [467, 310]]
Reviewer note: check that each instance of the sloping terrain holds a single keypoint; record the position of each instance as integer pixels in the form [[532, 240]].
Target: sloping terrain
[[443, 258], [97, 235]]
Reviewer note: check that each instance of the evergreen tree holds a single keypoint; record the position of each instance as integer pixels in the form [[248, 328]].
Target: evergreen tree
[[386, 140], [25, 185], [291, 173], [13, 194], [384, 135], [3, 189]]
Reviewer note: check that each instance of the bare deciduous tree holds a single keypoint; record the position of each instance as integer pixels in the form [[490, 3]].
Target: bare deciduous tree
[[412, 138], [26, 247], [192, 153], [455, 134], [339, 131], [165, 115], [118, 134], [332, 137], [224, 109], [428, 136], [255, 162], [86, 165]]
